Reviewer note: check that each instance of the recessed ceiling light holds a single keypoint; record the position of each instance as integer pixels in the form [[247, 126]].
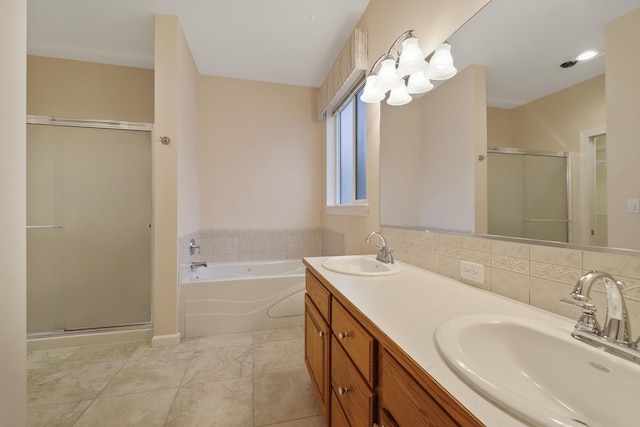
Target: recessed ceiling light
[[587, 54]]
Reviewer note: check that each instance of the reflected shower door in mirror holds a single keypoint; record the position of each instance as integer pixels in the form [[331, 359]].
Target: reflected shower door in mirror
[[527, 194]]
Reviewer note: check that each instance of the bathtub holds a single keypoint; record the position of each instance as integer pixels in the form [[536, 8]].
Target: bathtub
[[242, 296]]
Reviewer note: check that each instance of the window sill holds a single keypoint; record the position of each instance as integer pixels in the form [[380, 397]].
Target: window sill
[[351, 210]]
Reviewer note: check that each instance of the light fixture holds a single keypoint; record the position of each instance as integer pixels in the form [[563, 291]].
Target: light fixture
[[582, 57], [441, 65], [404, 71]]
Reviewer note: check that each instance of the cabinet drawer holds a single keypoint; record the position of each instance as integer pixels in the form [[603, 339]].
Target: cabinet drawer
[[403, 402], [357, 342], [318, 294], [338, 418], [351, 392]]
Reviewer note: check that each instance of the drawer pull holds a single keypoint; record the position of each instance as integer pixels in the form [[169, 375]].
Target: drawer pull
[[343, 335], [342, 390], [321, 334]]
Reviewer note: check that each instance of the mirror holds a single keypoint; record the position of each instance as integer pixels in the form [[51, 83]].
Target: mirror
[[511, 93]]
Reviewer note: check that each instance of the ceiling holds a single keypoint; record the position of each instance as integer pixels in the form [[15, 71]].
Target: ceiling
[[522, 42], [281, 41]]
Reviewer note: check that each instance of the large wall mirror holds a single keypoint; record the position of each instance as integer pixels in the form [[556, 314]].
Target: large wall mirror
[[526, 141]]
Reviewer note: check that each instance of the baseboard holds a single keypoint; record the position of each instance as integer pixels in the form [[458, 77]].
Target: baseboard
[[80, 339], [165, 340]]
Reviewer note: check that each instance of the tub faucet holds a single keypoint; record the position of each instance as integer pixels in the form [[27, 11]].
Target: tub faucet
[[615, 336], [197, 264], [384, 253], [193, 247]]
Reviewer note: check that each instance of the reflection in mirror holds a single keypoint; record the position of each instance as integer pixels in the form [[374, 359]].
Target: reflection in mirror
[[509, 54]]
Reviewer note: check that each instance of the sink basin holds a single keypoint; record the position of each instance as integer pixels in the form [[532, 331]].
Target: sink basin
[[359, 265], [539, 373]]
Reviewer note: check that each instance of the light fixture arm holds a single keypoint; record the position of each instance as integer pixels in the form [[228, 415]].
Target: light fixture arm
[[394, 47]]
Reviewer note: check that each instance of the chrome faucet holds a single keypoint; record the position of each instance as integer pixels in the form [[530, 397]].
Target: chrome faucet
[[193, 247], [615, 336], [384, 253], [197, 264]]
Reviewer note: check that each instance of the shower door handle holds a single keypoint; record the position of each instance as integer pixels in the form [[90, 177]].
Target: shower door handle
[[30, 227]]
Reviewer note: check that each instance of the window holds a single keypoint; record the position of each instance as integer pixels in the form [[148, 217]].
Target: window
[[347, 173]]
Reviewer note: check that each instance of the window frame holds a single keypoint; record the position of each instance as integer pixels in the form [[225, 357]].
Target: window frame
[[359, 207]]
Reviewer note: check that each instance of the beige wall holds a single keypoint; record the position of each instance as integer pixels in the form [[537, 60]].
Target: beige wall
[[260, 155], [623, 127], [433, 21], [85, 90], [13, 374]]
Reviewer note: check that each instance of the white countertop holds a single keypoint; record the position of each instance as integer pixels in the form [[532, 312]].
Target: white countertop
[[409, 306]]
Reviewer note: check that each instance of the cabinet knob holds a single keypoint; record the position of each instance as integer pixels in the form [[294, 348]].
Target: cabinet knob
[[343, 335], [342, 390], [321, 334]]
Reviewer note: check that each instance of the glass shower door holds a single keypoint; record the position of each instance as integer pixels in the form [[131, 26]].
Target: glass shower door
[[95, 271]]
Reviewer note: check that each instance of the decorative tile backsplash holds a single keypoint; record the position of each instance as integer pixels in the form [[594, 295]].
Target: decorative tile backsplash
[[534, 274]]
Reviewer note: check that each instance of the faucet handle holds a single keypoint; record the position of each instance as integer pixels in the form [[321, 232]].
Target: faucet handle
[[587, 321]]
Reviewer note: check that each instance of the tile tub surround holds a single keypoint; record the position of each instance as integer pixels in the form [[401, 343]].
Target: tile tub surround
[[245, 379], [534, 274], [252, 245]]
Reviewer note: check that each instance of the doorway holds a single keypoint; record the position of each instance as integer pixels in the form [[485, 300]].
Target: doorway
[[89, 228]]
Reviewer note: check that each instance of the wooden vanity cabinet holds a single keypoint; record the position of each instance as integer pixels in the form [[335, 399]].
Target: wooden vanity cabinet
[[362, 378], [317, 341], [403, 402]]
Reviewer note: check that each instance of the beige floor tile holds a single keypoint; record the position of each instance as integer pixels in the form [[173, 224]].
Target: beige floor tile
[[149, 373], [278, 334], [221, 403], [60, 415], [283, 396], [69, 381], [225, 340], [218, 364], [271, 356], [187, 345], [47, 358], [317, 421], [105, 351], [148, 409]]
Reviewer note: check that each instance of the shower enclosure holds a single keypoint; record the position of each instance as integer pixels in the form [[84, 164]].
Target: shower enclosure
[[88, 226], [528, 194]]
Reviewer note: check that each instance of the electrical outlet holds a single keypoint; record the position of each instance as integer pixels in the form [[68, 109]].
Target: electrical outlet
[[472, 271]]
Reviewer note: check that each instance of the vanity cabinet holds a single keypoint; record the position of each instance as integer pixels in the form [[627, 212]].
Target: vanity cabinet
[[361, 377], [317, 341], [403, 402]]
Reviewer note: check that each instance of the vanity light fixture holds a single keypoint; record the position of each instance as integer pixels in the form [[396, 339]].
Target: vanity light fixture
[[405, 71]]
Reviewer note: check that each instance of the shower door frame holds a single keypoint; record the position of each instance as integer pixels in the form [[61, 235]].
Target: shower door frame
[[96, 124], [563, 154]]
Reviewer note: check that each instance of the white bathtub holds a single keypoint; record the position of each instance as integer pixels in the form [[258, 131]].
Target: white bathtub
[[242, 296]]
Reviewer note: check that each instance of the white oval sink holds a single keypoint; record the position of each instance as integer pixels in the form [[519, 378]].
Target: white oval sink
[[539, 373], [359, 265]]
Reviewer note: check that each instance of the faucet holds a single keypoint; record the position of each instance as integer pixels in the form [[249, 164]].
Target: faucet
[[615, 336], [193, 247], [384, 253], [197, 264]]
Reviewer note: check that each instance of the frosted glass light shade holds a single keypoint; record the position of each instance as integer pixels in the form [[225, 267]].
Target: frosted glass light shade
[[419, 83], [371, 94], [412, 59], [387, 77], [441, 65], [399, 96]]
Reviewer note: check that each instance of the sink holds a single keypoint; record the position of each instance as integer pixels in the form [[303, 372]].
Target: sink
[[359, 265], [539, 373]]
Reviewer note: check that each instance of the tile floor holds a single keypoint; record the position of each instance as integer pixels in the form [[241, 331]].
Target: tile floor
[[248, 379]]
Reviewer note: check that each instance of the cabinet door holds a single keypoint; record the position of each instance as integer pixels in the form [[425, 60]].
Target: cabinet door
[[403, 402], [316, 352]]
